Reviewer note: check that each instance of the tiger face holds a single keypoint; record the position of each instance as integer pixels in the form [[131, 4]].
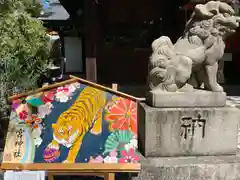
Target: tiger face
[[66, 131]]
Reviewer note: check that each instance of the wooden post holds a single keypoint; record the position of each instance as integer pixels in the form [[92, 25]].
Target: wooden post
[[91, 69], [50, 176], [109, 176], [90, 39], [115, 86]]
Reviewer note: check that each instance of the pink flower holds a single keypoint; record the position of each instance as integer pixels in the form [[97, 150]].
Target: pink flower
[[129, 157], [63, 94], [98, 159], [112, 158], [113, 153], [16, 104], [45, 109]]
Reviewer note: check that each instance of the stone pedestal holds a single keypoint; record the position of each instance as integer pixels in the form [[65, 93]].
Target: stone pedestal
[[188, 136], [187, 131], [190, 168], [198, 98]]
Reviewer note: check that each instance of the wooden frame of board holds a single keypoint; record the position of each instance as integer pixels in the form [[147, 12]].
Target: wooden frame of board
[[75, 79], [105, 170]]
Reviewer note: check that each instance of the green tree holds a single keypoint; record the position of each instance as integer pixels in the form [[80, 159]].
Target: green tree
[[25, 48]]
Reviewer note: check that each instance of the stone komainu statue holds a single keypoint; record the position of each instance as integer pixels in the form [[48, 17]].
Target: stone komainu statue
[[195, 55]]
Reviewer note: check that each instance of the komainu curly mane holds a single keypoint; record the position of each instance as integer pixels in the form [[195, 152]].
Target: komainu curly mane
[[193, 60]]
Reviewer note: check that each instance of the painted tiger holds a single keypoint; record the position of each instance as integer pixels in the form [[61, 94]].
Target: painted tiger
[[83, 116]]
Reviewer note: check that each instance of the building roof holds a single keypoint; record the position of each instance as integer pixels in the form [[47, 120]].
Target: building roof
[[53, 10]]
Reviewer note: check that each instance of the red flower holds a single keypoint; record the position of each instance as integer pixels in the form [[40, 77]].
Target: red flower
[[129, 157], [48, 97], [122, 115], [63, 89], [34, 123], [36, 119], [23, 114]]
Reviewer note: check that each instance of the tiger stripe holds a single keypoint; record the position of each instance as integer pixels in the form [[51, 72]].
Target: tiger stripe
[[83, 116]]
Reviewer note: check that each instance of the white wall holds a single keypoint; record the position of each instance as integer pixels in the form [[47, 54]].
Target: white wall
[[73, 54]]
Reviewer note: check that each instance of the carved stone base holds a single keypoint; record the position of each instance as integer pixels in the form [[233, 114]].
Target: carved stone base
[[190, 168], [187, 131], [199, 98]]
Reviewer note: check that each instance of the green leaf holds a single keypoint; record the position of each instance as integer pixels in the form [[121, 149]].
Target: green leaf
[[25, 47]]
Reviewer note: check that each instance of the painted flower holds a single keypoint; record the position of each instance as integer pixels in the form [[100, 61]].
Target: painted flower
[[112, 158], [98, 159], [35, 122], [48, 97], [45, 109], [122, 115], [36, 133], [62, 97], [133, 144], [16, 103], [129, 156], [117, 141], [72, 87], [23, 114], [63, 94], [64, 90], [23, 111]]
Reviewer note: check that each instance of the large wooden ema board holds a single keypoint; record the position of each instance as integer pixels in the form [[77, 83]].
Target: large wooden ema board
[[73, 127]]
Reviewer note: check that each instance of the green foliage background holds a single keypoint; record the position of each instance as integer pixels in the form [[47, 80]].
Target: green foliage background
[[24, 48]]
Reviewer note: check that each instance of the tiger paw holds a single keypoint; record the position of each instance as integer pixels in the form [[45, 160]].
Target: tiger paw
[[54, 145], [68, 161]]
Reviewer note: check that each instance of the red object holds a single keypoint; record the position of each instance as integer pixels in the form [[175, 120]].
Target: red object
[[51, 154], [17, 101], [63, 89], [129, 157], [122, 114], [48, 97], [23, 115], [34, 122]]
